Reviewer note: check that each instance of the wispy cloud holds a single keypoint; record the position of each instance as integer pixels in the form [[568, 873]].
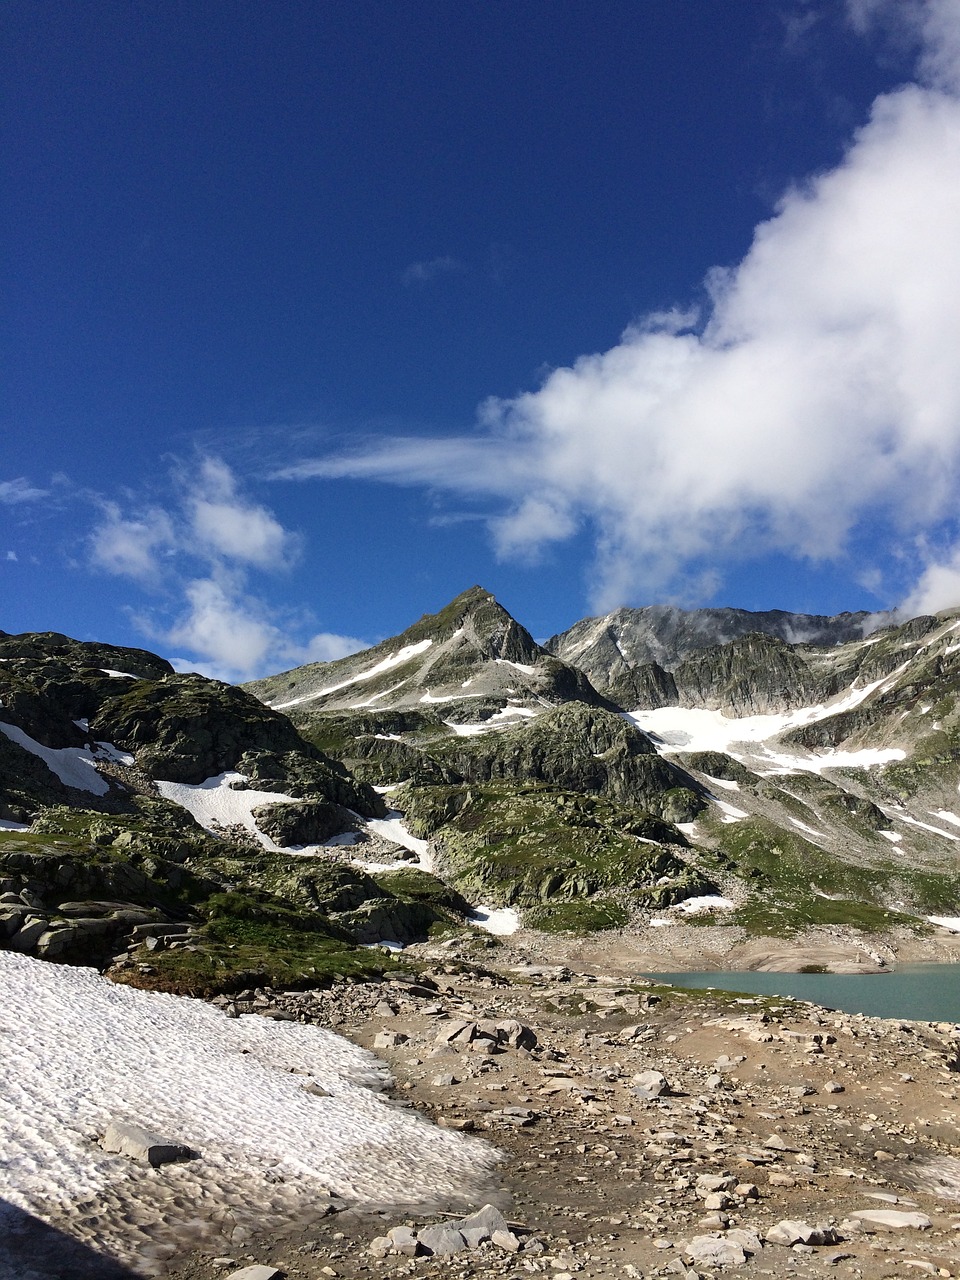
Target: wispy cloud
[[20, 490], [817, 394], [196, 553], [424, 272]]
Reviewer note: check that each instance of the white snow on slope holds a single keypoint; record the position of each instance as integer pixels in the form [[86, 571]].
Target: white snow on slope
[[708, 902], [392, 828], [74, 766], [499, 720], [697, 729], [78, 1051], [517, 666], [118, 675], [395, 659], [13, 826], [214, 804], [499, 920], [730, 813]]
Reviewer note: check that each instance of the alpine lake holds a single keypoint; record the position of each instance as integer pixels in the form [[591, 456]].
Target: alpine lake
[[917, 992]]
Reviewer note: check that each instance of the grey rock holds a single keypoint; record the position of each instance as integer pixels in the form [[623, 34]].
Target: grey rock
[[714, 1251], [442, 1240], [650, 1084], [140, 1144], [506, 1240], [790, 1231], [257, 1272], [486, 1220], [403, 1240], [890, 1220]]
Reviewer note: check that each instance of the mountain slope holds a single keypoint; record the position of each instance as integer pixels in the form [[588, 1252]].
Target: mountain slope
[[468, 662], [609, 647]]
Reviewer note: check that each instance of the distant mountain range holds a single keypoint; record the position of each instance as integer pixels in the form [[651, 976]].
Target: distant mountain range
[[774, 770]]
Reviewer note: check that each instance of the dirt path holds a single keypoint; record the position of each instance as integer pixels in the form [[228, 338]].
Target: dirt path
[[773, 1110]]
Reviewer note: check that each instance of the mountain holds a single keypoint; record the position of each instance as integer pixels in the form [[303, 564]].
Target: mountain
[[609, 648], [465, 664], [199, 837]]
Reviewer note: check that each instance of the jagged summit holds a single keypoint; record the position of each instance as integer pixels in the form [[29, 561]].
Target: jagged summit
[[662, 656], [472, 656], [608, 647]]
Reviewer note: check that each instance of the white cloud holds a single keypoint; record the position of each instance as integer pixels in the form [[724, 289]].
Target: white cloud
[[327, 647], [424, 272], [197, 553], [11, 555], [818, 395], [19, 490], [226, 626], [132, 547], [231, 527]]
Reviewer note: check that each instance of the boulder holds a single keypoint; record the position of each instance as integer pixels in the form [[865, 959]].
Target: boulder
[[441, 1240], [140, 1144]]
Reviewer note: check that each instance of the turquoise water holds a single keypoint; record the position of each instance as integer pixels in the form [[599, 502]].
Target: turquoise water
[[927, 992]]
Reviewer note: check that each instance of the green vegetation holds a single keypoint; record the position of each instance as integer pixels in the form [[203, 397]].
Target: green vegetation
[[525, 845]]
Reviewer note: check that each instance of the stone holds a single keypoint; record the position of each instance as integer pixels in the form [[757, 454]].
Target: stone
[[442, 1240], [714, 1182], [140, 1144], [486, 1221], [890, 1220], [506, 1240], [403, 1240], [790, 1231], [389, 1039], [380, 1246], [748, 1240], [256, 1272], [717, 1200], [714, 1251], [650, 1084]]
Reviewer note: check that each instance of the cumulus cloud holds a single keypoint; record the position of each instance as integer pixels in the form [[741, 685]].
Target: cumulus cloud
[[226, 627], [131, 546], [232, 527], [816, 396], [197, 554]]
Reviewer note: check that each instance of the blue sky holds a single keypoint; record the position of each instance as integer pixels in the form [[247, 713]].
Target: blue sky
[[316, 314]]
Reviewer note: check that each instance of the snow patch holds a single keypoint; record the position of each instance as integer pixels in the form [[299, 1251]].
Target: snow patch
[[517, 666], [395, 659], [730, 814], [81, 1051], [722, 783], [75, 766], [215, 804], [946, 922], [701, 905], [118, 675], [893, 836], [802, 826], [502, 921], [13, 826]]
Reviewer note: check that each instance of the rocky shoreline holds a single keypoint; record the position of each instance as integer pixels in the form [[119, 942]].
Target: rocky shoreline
[[644, 1131]]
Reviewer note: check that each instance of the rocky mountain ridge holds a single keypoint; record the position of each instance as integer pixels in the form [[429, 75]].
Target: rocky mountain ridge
[[773, 786]]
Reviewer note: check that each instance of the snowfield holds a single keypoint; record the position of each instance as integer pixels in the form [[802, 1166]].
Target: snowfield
[[78, 1051]]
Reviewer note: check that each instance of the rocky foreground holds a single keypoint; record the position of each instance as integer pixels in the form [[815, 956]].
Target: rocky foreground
[[645, 1131]]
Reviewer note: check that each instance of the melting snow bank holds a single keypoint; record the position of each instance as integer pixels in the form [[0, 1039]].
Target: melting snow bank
[[697, 729], [499, 920], [74, 766], [946, 922], [80, 1052], [216, 803]]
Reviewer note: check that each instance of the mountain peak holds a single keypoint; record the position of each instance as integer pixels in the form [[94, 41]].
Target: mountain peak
[[472, 655]]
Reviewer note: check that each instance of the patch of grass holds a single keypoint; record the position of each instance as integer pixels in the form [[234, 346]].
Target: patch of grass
[[589, 916]]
